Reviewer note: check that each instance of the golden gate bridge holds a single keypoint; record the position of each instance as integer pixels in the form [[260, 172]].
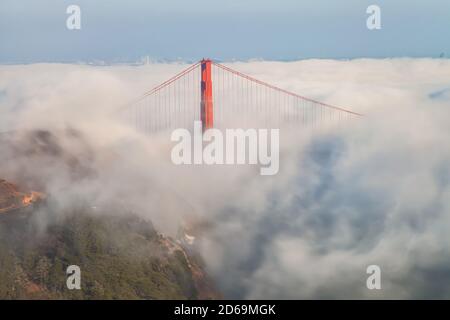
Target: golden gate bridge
[[222, 97]]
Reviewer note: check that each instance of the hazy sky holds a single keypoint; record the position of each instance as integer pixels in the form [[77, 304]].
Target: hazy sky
[[113, 30]]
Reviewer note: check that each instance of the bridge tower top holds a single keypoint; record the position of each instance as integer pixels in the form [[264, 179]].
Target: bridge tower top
[[207, 115]]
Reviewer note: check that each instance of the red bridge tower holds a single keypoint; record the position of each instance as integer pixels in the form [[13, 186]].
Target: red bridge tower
[[206, 95]]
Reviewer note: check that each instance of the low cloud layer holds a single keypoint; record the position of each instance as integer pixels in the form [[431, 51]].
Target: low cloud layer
[[371, 191]]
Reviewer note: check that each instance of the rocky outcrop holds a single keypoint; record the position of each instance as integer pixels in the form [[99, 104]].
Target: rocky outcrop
[[12, 198]]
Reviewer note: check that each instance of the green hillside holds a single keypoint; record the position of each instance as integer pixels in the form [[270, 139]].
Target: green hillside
[[120, 256]]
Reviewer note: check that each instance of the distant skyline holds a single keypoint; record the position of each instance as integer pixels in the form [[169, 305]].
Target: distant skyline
[[118, 31]]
